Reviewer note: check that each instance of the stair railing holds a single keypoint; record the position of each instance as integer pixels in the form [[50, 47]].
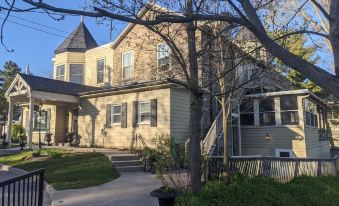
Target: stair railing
[[212, 134]]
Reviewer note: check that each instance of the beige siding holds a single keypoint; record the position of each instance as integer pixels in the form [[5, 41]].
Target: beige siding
[[92, 119], [314, 147], [283, 137], [92, 56], [180, 114]]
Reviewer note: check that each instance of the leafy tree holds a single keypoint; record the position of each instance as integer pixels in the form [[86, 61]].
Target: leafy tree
[[10, 69], [299, 47]]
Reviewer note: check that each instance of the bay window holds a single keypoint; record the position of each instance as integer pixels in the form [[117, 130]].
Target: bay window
[[76, 73], [289, 110], [60, 72]]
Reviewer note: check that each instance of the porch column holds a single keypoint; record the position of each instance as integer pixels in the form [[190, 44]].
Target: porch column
[[9, 122], [29, 130]]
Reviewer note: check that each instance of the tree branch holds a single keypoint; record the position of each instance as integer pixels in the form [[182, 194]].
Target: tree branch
[[323, 11]]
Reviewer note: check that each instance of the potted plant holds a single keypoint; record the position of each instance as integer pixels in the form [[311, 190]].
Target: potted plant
[[166, 164], [48, 139], [69, 138]]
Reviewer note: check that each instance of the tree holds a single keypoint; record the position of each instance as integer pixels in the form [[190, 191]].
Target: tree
[[9, 71], [251, 15]]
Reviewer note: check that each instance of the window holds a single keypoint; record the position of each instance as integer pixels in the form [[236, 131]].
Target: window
[[100, 70], [267, 111], [247, 112], [60, 72], [283, 153], [127, 65], [76, 73], [40, 121], [289, 110], [247, 72], [144, 112], [163, 57], [116, 114], [311, 117]]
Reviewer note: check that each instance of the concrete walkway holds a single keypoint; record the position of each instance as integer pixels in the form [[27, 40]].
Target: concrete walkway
[[128, 190]]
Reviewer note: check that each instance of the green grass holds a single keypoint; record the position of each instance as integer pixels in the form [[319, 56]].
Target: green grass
[[259, 191], [71, 171]]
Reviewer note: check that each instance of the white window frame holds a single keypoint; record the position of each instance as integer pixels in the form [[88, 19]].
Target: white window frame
[[315, 113], [122, 65], [139, 112], [277, 152], [83, 72], [103, 71], [57, 74], [170, 62], [112, 114]]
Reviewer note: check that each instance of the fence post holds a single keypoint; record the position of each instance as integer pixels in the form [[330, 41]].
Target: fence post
[[319, 168], [41, 188], [266, 168]]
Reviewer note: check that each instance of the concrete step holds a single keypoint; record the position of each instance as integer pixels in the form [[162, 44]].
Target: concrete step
[[127, 157], [127, 163], [125, 169]]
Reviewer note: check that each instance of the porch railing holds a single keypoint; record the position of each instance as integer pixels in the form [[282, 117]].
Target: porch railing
[[281, 169], [211, 136], [26, 189]]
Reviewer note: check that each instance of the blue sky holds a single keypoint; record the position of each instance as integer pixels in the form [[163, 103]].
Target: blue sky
[[36, 47]]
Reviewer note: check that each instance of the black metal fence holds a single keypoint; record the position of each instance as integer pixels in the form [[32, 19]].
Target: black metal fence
[[24, 190], [281, 169]]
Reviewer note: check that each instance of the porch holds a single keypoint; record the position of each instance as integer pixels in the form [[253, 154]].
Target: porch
[[48, 106]]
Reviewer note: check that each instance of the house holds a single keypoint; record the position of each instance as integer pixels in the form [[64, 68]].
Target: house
[[112, 95]]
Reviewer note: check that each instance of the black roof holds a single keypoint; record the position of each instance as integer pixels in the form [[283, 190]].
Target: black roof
[[80, 40], [57, 86]]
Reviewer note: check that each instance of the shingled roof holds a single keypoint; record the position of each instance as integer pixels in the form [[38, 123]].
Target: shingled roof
[[80, 40], [57, 86]]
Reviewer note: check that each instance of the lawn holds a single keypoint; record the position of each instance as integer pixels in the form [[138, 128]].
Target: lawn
[[70, 171], [260, 191]]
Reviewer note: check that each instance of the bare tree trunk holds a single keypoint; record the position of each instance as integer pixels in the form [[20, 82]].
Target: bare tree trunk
[[334, 33], [225, 110]]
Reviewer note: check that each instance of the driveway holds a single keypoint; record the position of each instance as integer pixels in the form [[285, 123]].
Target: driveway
[[128, 190]]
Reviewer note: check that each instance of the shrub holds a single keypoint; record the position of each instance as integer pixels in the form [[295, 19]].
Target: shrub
[[17, 131], [36, 153], [54, 154]]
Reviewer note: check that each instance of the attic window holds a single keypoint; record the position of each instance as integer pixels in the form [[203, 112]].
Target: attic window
[[127, 65], [163, 57], [76, 73]]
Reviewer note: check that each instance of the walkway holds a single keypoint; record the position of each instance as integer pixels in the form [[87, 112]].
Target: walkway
[[130, 189]]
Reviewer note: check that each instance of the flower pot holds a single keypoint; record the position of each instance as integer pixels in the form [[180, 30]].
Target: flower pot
[[166, 197]]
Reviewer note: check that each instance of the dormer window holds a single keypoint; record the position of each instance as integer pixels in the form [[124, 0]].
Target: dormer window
[[163, 57], [76, 73], [127, 65], [60, 72], [100, 71]]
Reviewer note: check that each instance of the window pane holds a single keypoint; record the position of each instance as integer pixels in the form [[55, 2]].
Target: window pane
[[164, 53], [100, 71], [116, 118], [267, 105], [144, 117], [247, 106], [40, 122], [289, 118], [145, 107], [288, 102], [267, 118], [247, 119], [76, 73], [127, 72], [284, 154], [116, 109], [60, 72], [127, 59]]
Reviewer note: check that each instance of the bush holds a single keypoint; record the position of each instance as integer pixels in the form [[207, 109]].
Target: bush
[[54, 154], [17, 131], [36, 153], [261, 191]]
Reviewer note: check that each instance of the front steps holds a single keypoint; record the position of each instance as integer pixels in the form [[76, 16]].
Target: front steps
[[125, 163]]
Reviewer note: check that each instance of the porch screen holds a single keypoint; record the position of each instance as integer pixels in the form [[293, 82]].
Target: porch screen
[[267, 111], [40, 121], [76, 73], [247, 112], [311, 117], [289, 110]]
